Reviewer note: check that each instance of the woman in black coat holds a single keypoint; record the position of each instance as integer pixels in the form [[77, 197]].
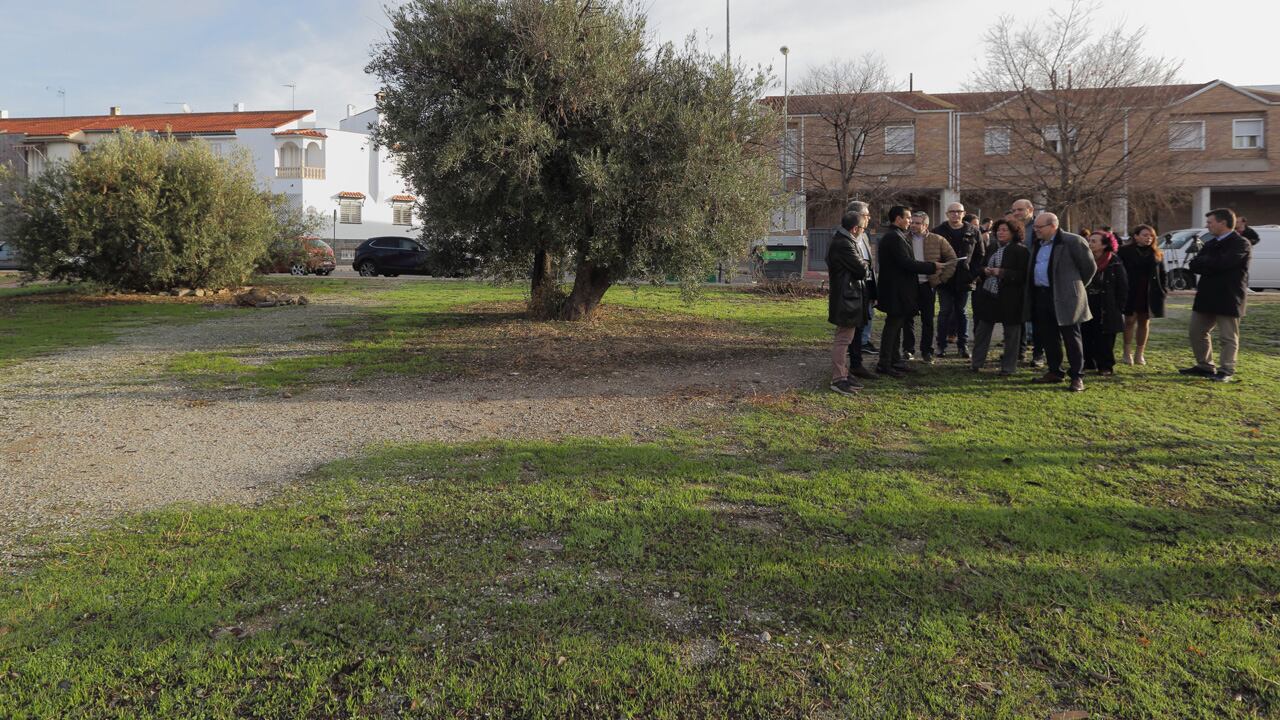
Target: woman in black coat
[[1107, 292], [846, 299], [999, 296], [1148, 285]]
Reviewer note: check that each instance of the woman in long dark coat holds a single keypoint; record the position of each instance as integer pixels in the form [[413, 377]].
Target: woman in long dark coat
[[1148, 284], [1107, 292], [999, 296]]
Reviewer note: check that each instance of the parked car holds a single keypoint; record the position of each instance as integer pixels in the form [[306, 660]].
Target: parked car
[[1182, 245], [313, 255], [391, 256], [1264, 268], [1179, 246], [8, 258]]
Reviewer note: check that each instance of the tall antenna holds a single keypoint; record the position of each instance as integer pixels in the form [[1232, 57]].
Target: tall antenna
[[62, 93], [294, 103]]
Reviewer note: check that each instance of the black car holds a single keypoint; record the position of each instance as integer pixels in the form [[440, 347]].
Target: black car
[[390, 256]]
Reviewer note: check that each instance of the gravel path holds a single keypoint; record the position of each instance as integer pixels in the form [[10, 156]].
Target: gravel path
[[98, 432]]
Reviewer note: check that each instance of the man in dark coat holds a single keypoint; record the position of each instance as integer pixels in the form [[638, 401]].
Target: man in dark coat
[[846, 300], [953, 295], [1060, 268], [1223, 267], [1246, 232], [897, 288]]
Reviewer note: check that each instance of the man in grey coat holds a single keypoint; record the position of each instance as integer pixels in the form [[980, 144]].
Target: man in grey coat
[[1061, 267]]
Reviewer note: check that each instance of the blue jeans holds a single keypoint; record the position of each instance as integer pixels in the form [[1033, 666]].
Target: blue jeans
[[866, 331]]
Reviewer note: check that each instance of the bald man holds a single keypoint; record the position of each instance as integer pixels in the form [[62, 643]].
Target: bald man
[[1061, 267]]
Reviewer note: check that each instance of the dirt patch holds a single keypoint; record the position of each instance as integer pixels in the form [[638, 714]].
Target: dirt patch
[[97, 432], [620, 340], [756, 518], [699, 652]]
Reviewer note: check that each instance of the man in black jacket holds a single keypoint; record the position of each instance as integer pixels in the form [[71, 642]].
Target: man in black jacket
[[1246, 232], [897, 288], [846, 301], [953, 295], [1223, 267]]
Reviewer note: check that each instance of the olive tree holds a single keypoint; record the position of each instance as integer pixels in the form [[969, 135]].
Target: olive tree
[[140, 212], [545, 132]]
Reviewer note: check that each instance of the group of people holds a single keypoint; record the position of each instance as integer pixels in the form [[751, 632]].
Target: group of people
[[1064, 296]]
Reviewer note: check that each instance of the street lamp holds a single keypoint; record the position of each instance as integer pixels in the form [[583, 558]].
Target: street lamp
[[785, 93], [786, 114]]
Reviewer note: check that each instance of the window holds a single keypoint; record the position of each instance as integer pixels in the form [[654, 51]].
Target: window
[[790, 216], [35, 161], [996, 141], [349, 211], [1186, 135], [1246, 134], [216, 149], [900, 140], [401, 213], [791, 153], [1053, 139]]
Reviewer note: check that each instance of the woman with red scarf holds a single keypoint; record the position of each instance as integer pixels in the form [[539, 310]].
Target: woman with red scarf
[[1108, 293]]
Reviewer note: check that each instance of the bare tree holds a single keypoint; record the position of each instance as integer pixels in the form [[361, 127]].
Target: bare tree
[[848, 106], [1080, 123]]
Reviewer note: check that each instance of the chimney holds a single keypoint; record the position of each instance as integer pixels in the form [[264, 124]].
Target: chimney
[[115, 110], [351, 110], [4, 114], [238, 107]]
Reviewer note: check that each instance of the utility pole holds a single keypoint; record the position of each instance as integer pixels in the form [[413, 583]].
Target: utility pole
[[786, 111], [728, 58]]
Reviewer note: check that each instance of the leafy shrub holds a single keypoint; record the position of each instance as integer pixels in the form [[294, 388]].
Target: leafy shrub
[[139, 212]]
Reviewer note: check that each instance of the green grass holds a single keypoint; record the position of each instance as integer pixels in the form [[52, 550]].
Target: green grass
[[43, 319], [952, 546]]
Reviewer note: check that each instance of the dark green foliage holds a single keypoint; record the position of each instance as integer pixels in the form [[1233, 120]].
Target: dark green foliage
[[139, 212], [543, 132]]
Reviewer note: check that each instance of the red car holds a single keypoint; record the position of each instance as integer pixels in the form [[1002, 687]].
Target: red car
[[312, 256]]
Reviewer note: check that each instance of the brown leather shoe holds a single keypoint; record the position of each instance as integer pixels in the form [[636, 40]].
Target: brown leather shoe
[[1077, 385], [1048, 379], [861, 372]]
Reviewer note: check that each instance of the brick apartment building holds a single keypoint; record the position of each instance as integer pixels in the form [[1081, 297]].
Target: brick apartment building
[[933, 149]]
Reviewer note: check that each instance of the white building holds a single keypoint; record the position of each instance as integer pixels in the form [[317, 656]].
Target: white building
[[334, 172]]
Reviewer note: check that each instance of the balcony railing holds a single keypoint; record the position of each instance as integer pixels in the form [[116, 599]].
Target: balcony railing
[[300, 173]]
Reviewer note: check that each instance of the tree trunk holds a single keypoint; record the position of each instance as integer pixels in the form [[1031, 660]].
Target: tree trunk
[[542, 293], [589, 287]]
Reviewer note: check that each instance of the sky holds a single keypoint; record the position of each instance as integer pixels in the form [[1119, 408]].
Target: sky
[[153, 55]]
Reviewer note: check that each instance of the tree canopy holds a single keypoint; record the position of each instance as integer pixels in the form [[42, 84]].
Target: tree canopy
[[551, 133]]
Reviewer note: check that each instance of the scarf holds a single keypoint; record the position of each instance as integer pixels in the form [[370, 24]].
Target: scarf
[[992, 284], [1105, 261]]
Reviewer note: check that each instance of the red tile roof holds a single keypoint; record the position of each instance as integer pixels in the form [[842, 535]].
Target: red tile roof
[[214, 122], [403, 198], [980, 101], [348, 195], [305, 133]]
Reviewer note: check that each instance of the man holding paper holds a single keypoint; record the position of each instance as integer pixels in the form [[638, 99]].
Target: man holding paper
[[928, 247]]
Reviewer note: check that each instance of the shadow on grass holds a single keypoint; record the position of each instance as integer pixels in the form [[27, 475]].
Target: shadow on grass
[[593, 576]]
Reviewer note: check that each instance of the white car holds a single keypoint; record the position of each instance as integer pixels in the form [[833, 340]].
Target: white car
[[1180, 246]]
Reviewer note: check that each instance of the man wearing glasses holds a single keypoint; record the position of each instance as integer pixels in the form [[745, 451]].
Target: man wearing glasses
[[953, 295], [1061, 268]]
